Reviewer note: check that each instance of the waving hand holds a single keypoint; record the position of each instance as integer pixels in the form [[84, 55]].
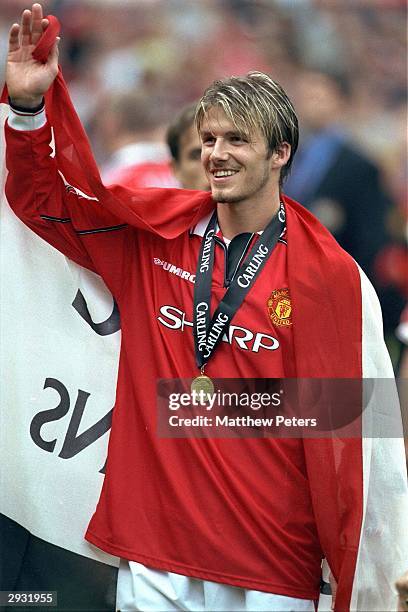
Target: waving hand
[[27, 79]]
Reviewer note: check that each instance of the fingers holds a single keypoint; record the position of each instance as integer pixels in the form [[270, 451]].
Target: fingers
[[26, 28], [14, 43], [36, 23], [32, 25]]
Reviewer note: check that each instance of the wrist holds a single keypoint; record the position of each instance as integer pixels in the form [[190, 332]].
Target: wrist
[[27, 104], [26, 119]]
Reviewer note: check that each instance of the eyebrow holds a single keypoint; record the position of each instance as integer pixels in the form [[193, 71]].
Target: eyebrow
[[227, 134]]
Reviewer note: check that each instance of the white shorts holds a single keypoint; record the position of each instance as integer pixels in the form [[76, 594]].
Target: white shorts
[[151, 590]]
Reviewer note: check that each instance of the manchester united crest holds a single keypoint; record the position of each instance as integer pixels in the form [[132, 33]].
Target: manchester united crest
[[280, 307]]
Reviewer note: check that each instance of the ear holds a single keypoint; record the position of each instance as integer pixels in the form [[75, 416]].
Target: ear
[[281, 155]]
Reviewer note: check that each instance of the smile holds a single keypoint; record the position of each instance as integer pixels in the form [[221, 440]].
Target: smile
[[223, 173]]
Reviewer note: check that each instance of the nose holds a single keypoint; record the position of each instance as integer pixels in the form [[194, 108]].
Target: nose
[[219, 151]]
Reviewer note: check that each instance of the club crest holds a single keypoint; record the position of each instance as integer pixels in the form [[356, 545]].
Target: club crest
[[280, 307]]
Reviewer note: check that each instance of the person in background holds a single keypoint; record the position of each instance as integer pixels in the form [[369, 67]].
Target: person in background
[[184, 144], [331, 176], [130, 131]]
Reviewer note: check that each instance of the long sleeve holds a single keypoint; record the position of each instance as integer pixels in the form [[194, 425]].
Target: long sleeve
[[36, 192], [71, 221]]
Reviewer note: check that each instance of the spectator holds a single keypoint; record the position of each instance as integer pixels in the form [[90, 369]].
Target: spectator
[[330, 176], [185, 148], [130, 129]]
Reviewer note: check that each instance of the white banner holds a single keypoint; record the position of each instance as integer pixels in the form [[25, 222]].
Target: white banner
[[58, 378]]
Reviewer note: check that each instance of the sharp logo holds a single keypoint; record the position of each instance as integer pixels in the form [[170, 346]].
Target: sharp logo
[[247, 340], [175, 270]]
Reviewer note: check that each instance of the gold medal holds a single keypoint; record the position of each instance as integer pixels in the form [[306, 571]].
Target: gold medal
[[202, 383]]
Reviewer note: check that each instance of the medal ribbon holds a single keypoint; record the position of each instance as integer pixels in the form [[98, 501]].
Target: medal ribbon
[[208, 331]]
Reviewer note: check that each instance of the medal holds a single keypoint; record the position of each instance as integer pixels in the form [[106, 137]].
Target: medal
[[202, 383]]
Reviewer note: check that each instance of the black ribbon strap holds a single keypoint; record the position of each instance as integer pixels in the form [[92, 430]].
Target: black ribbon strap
[[208, 331]]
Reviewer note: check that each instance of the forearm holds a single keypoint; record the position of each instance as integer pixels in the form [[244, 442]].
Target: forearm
[[35, 189], [33, 186]]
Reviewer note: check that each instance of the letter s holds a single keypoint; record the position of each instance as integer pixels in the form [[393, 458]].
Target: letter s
[[171, 312], [47, 416]]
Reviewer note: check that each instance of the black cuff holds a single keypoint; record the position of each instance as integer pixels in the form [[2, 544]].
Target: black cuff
[[23, 109]]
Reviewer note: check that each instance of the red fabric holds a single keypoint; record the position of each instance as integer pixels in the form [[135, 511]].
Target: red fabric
[[328, 343], [325, 289]]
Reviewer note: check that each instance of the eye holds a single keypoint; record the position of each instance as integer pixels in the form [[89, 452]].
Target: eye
[[238, 139], [207, 139]]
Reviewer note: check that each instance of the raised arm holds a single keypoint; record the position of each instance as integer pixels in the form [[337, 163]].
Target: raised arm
[[34, 188]]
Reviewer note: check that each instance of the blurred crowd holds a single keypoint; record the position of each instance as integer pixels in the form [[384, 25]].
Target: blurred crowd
[[343, 62]]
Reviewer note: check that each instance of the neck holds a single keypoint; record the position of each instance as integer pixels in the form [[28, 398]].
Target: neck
[[239, 217]]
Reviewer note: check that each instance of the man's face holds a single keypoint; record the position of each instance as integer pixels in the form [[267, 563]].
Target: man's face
[[188, 169], [238, 168]]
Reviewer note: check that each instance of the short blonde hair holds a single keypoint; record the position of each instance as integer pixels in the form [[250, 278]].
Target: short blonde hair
[[253, 102]]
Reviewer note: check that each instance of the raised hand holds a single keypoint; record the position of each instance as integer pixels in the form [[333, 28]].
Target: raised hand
[[28, 80]]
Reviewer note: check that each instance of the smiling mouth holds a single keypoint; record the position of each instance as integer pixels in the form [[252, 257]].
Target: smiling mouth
[[223, 173]]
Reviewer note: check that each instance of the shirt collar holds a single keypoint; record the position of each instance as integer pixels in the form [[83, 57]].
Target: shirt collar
[[201, 226]]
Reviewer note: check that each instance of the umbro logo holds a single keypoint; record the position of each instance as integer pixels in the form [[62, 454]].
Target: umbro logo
[[168, 267]]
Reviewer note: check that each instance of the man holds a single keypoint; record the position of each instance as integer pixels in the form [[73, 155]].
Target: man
[[207, 523], [331, 174], [184, 144]]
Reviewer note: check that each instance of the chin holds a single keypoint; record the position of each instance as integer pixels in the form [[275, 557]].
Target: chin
[[226, 199], [223, 197]]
